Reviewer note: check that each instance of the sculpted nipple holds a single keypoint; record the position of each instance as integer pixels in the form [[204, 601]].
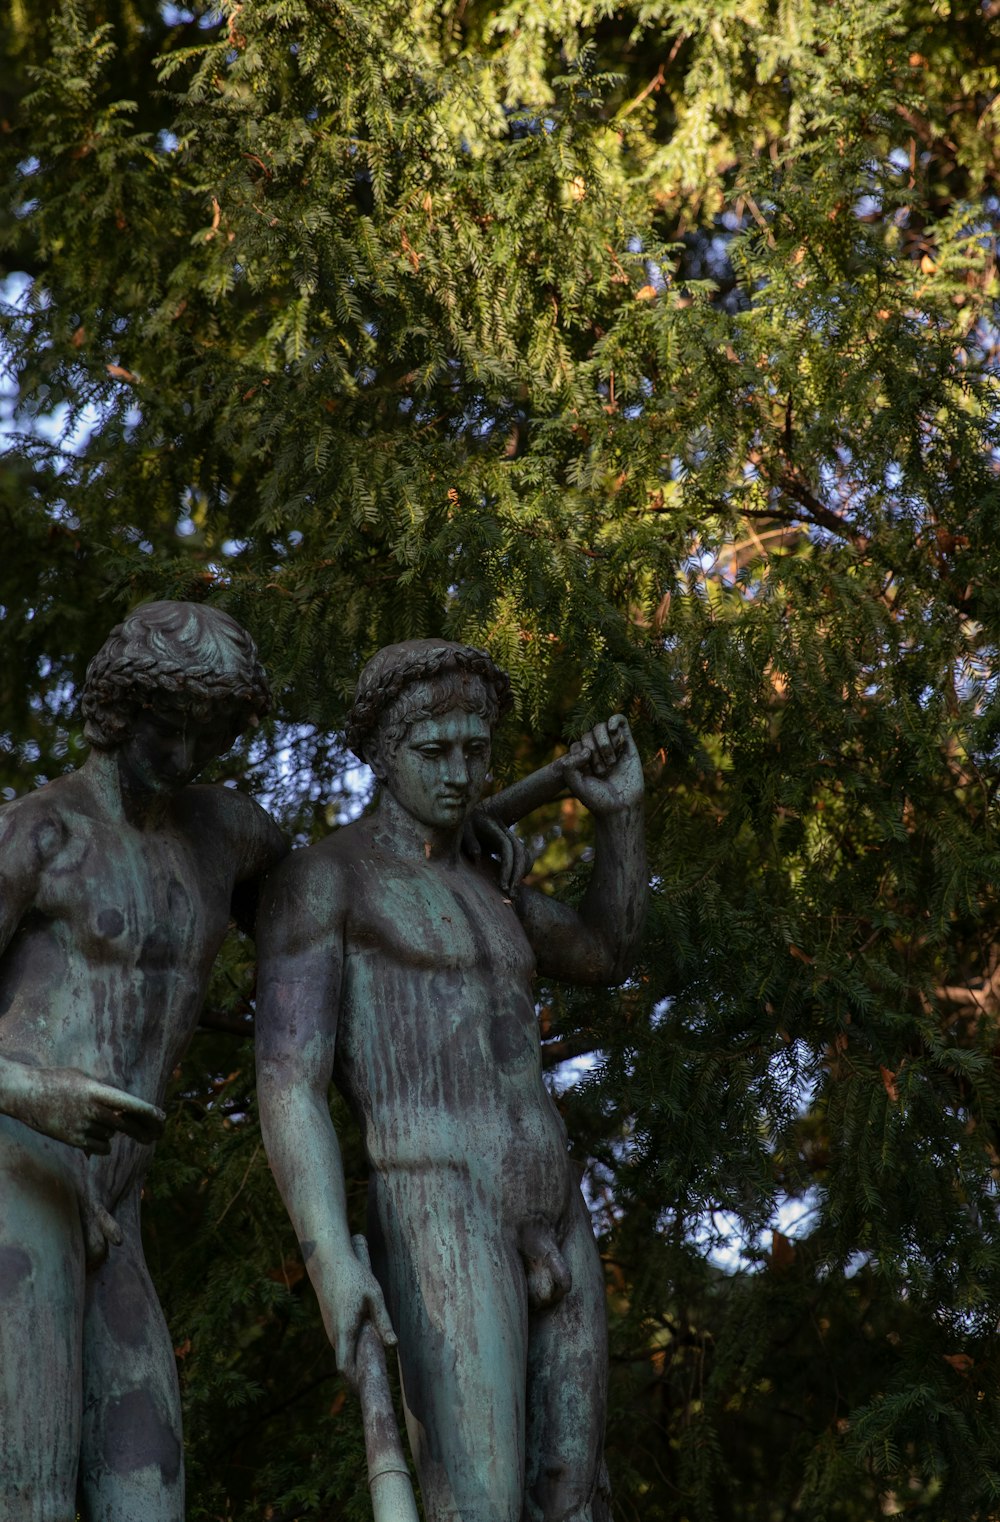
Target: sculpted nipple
[[111, 922]]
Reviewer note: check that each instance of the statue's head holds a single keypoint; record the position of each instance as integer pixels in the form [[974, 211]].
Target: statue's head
[[178, 669], [422, 679], [423, 718]]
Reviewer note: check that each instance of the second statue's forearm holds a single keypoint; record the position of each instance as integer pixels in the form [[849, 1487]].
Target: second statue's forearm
[[614, 906], [304, 1153]]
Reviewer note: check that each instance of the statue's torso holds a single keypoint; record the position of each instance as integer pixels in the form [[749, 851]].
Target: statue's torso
[[437, 1040], [107, 968]]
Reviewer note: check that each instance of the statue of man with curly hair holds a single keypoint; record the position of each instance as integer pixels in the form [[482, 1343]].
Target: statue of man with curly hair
[[396, 965], [117, 882]]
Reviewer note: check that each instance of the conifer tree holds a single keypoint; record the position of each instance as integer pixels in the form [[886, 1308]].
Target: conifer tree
[[653, 347]]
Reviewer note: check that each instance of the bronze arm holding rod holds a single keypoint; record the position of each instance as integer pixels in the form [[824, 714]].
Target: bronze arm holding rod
[[542, 786]]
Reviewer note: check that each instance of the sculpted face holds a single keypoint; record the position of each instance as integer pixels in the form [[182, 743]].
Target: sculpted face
[[166, 747], [438, 770]]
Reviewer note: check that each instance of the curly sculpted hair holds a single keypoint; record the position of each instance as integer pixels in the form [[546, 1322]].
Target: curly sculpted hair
[[448, 675], [181, 654]]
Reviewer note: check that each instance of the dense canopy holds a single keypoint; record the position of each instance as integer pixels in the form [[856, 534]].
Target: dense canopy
[[653, 346]]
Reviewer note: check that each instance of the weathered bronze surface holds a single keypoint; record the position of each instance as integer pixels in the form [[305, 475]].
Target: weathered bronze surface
[[116, 887], [396, 965]]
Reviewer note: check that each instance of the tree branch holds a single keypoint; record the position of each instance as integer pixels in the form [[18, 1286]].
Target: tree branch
[[565, 1047], [792, 484]]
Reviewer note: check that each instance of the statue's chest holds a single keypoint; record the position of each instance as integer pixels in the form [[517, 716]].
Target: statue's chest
[[436, 1003], [430, 922], [127, 897]]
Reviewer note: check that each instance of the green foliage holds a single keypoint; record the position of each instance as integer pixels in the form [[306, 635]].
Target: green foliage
[[653, 346]]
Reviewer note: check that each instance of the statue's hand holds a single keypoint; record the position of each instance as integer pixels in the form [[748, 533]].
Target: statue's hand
[[356, 1299], [603, 768], [74, 1108], [484, 833]]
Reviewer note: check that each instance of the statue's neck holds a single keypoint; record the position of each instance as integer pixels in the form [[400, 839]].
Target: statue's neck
[[122, 795], [397, 832]]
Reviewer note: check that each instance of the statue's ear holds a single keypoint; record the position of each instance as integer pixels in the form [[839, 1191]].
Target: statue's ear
[[373, 756]]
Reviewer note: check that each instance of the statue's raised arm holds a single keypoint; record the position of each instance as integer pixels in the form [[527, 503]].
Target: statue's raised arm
[[597, 943], [394, 962]]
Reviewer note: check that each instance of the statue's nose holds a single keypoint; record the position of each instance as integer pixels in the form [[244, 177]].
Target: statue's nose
[[457, 771]]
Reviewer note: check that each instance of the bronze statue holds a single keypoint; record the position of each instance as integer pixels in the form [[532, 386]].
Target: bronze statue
[[117, 883], [392, 963]]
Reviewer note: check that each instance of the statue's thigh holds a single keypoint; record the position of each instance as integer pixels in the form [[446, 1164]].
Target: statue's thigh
[[41, 1318], [457, 1296], [132, 1453], [567, 1392]]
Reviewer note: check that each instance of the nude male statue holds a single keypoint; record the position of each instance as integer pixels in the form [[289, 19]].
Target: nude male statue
[[116, 886], [392, 963]]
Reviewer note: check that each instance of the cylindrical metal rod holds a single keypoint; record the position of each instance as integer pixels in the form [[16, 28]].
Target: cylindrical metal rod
[[388, 1475], [539, 787]]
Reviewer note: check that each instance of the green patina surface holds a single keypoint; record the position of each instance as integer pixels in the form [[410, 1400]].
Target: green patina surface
[[393, 963], [391, 958], [116, 888]]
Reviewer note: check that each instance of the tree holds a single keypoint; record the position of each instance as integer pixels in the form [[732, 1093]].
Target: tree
[[655, 348]]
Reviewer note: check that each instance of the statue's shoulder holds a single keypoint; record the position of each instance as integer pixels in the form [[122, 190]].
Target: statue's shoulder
[[348, 843], [335, 857], [221, 807], [320, 873], [39, 823], [231, 822]]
